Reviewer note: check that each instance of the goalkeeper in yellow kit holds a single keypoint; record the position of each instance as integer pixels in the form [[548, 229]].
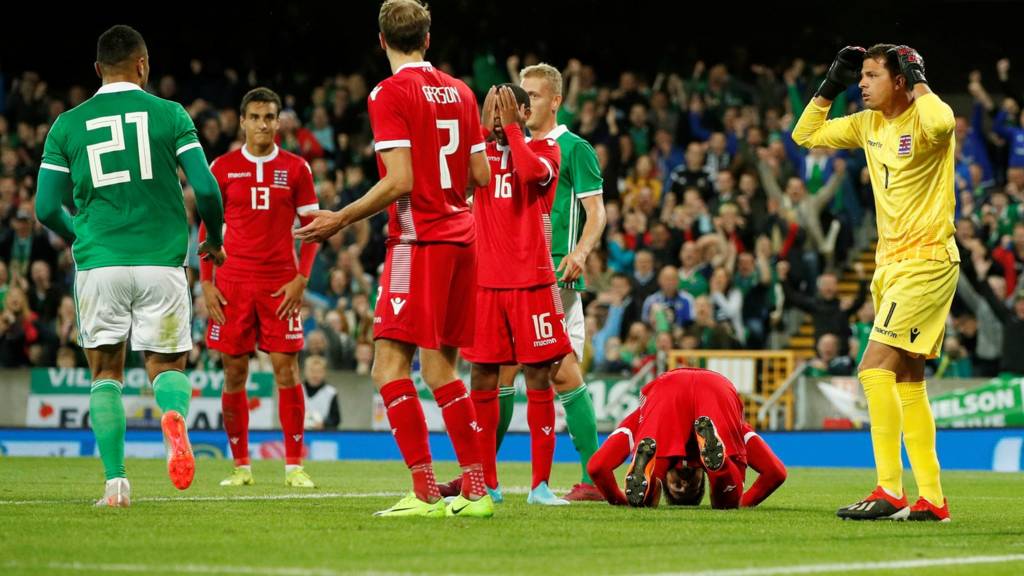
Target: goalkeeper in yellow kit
[[907, 135]]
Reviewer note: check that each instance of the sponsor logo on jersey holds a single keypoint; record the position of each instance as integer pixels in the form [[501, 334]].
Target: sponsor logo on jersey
[[397, 304], [874, 144], [475, 427], [280, 177], [906, 143], [293, 336], [239, 175], [546, 342], [546, 430], [215, 332], [914, 333]]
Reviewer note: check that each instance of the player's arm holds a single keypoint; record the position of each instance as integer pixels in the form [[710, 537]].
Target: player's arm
[[935, 116], [479, 167], [771, 471], [530, 166], [306, 204], [54, 186], [208, 201], [197, 172], [813, 128], [590, 184], [397, 182]]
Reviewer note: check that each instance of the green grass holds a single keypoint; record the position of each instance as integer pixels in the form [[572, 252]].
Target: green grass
[[338, 535]]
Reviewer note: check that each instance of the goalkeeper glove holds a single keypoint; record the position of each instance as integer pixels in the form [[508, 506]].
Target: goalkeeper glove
[[845, 70]]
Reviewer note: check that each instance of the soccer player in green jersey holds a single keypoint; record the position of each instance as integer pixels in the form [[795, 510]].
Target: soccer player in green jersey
[[114, 159], [579, 192]]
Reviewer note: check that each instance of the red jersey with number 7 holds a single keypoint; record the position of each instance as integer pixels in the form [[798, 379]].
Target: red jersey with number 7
[[436, 117], [262, 197]]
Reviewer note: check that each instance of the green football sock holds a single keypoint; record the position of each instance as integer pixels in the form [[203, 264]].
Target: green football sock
[[582, 424], [106, 415], [506, 406], [173, 392]]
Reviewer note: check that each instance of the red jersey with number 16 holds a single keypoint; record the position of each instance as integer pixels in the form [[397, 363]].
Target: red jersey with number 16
[[262, 195], [513, 218], [436, 117]]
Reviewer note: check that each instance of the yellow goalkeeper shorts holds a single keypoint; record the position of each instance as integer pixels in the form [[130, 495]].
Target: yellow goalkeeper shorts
[[912, 300]]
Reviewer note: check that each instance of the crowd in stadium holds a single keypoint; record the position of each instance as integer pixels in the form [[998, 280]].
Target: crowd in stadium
[[717, 222]]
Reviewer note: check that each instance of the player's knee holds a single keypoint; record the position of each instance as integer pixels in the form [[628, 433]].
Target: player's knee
[[596, 465]]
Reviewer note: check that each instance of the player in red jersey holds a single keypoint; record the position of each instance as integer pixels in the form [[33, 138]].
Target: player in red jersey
[[519, 311], [255, 298], [426, 130], [690, 423]]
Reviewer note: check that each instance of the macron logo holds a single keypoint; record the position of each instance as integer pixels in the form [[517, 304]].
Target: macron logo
[[397, 304], [475, 427], [297, 437], [546, 430]]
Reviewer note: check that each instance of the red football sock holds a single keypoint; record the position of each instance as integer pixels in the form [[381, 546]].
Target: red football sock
[[409, 427], [235, 406], [464, 430], [540, 415], [485, 402], [291, 409], [603, 463], [771, 471], [726, 484]]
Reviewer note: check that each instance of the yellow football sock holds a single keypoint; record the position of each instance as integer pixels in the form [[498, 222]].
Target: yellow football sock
[[919, 436], [886, 415]]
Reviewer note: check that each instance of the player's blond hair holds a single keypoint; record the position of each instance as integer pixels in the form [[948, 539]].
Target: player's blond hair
[[404, 24], [547, 72]]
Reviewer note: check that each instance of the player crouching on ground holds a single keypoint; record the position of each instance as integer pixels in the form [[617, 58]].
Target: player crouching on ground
[[674, 455]]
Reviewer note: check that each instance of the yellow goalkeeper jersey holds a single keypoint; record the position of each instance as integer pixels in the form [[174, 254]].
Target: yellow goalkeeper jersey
[[910, 159]]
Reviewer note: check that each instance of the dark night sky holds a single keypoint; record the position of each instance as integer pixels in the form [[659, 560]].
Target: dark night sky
[[284, 39]]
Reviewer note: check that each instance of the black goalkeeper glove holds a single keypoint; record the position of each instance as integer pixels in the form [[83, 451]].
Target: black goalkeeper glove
[[911, 64], [845, 70]]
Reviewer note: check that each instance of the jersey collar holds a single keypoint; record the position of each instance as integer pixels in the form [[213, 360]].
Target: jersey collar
[[423, 64], [257, 159], [118, 87], [557, 132]]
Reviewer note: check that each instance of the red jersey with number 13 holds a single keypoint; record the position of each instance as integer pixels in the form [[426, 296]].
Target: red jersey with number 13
[[436, 117], [262, 195]]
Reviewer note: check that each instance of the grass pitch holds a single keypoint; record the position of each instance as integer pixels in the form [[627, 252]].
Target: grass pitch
[[48, 526]]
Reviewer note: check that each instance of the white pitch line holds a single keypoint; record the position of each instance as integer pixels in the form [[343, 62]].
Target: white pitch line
[[244, 498], [301, 571], [854, 566]]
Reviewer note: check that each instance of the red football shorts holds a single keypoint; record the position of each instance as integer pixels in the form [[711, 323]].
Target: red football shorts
[[250, 318], [427, 295], [519, 326]]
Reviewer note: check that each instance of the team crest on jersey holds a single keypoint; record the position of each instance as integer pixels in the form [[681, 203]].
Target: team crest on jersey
[[280, 177], [906, 143]]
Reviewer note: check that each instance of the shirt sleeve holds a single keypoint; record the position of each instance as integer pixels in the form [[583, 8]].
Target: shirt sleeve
[[387, 118], [304, 192], [586, 172], [185, 135], [935, 119], [54, 156], [474, 133], [550, 155], [813, 130]]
